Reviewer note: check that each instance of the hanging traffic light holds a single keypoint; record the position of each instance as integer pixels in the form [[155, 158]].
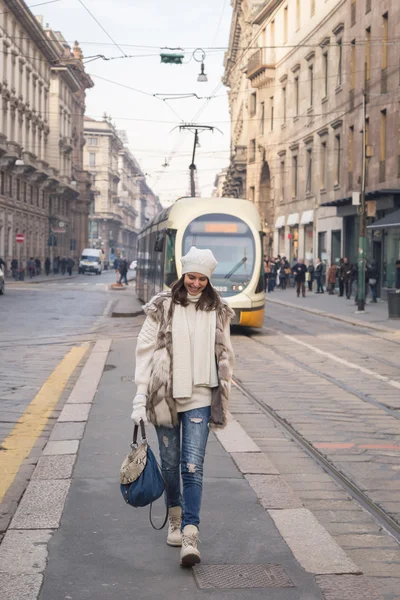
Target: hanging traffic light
[[173, 59]]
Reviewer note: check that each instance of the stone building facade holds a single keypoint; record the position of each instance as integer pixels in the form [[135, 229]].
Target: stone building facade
[[299, 83], [37, 197], [123, 201]]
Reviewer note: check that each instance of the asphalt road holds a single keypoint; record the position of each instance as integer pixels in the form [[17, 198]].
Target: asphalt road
[[39, 323]]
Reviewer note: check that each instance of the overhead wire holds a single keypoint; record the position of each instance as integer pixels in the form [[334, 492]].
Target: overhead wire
[[101, 27]]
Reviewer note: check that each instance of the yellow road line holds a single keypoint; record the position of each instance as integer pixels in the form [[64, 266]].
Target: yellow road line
[[18, 444]]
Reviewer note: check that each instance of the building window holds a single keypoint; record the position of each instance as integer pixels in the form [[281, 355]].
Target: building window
[[18, 189], [262, 118], [311, 79], [297, 15], [309, 156], [92, 141], [338, 151], [24, 190], [31, 194], [324, 165], [10, 186], [367, 6], [253, 104], [272, 113], [37, 196], [325, 59], [296, 96], [282, 180], [295, 176], [340, 63], [367, 55], [92, 159], [285, 24], [284, 103], [2, 182], [353, 65], [385, 47], [353, 13], [312, 7], [351, 158], [252, 194], [252, 151], [383, 138]]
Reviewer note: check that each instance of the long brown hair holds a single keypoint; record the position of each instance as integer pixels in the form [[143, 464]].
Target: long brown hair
[[209, 299]]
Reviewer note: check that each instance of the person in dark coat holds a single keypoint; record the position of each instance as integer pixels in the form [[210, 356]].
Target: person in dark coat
[[70, 266], [319, 271], [38, 265], [310, 275], [123, 271], [347, 269], [56, 265], [299, 271], [31, 267], [284, 273], [63, 265], [14, 268], [332, 274], [47, 266], [373, 277], [341, 277]]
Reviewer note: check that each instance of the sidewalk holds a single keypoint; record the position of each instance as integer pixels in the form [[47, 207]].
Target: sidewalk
[[127, 305], [43, 278], [74, 537], [341, 309]]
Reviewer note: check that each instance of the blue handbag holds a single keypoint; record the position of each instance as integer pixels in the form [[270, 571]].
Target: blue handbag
[[141, 479]]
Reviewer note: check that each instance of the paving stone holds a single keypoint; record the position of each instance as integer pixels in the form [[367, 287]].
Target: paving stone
[[336, 529], [254, 462], [311, 544], [318, 494], [272, 491], [367, 541], [42, 505], [74, 413], [67, 431], [345, 505], [19, 587], [61, 447], [388, 586], [234, 439], [347, 587], [55, 467], [24, 551], [86, 387]]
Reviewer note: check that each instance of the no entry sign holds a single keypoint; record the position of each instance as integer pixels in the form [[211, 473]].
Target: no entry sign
[[20, 238]]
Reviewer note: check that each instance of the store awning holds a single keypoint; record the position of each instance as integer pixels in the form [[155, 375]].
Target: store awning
[[390, 220], [280, 222], [307, 217], [293, 219]]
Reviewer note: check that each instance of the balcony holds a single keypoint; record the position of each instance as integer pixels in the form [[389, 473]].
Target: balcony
[[260, 69], [12, 153]]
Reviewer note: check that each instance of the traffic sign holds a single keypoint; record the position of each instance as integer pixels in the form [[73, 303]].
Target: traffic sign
[[20, 238]]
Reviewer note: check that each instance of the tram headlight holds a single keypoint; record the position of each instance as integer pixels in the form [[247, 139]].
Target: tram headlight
[[234, 288], [240, 288]]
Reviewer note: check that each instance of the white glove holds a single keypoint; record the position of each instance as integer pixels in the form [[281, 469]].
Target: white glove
[[139, 409]]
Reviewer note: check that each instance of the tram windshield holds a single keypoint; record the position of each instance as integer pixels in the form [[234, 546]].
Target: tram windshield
[[232, 244]]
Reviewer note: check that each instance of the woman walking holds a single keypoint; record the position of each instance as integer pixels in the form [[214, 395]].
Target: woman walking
[[184, 362]]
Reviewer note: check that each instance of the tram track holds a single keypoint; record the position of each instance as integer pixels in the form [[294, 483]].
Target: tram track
[[384, 361], [351, 488]]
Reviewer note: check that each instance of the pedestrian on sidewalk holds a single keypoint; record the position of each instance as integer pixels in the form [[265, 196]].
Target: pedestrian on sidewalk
[[272, 275], [123, 271], [31, 267], [267, 274], [38, 266], [70, 266], [184, 361], [310, 275], [63, 265], [284, 272], [332, 275], [299, 272], [341, 270], [47, 266], [373, 277], [347, 277], [56, 265], [319, 270], [14, 268]]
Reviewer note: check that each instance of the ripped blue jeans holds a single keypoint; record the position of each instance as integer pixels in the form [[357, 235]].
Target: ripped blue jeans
[[186, 461]]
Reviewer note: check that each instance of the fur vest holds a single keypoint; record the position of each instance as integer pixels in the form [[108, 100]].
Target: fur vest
[[161, 408]]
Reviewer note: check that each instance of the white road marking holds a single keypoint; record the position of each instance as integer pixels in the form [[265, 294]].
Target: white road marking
[[346, 363]]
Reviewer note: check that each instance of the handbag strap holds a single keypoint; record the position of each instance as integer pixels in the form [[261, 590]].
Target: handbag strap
[[166, 505], [136, 430]]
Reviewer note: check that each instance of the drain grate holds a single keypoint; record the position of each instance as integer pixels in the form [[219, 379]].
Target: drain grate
[[109, 367], [230, 577]]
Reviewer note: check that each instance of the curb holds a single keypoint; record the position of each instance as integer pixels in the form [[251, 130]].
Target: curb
[[47, 280], [122, 315], [322, 313]]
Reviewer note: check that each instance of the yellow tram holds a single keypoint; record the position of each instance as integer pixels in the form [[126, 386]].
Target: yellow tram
[[230, 228]]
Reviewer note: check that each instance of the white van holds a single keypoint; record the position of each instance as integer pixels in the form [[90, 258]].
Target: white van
[[91, 261]]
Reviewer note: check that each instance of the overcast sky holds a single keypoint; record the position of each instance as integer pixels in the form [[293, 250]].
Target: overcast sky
[[141, 28]]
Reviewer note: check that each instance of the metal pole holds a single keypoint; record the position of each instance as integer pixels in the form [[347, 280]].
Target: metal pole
[[362, 245], [192, 167]]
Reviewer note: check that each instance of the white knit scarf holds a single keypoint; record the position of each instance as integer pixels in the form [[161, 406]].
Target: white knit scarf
[[203, 361]]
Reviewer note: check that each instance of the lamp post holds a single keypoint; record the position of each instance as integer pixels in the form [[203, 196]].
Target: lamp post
[[362, 244]]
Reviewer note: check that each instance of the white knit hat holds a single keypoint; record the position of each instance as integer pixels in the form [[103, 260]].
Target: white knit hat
[[199, 261]]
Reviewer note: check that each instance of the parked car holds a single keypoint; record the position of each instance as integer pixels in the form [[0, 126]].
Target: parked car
[[2, 286]]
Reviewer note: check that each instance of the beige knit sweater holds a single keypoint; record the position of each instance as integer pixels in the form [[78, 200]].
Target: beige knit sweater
[[201, 396]]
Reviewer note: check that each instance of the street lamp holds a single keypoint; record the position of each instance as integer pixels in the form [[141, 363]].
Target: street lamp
[[202, 78]]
